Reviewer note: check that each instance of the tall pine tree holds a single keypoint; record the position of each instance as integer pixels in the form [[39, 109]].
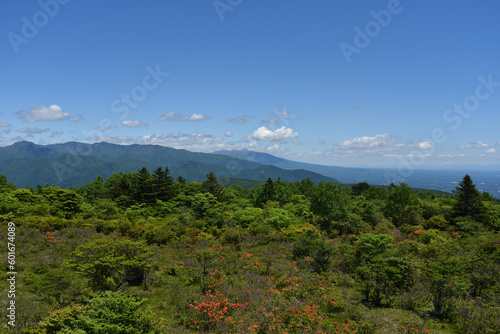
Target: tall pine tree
[[144, 192], [268, 193], [211, 185], [163, 184], [468, 202]]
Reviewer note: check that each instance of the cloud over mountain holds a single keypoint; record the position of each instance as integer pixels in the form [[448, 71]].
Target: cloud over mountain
[[281, 134]]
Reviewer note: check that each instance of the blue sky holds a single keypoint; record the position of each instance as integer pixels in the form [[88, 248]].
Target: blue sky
[[348, 83]]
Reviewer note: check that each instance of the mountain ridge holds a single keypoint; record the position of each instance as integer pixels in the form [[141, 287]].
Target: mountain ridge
[[74, 163]]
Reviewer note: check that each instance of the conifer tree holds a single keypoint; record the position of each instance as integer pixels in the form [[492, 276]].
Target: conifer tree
[[163, 184], [144, 190], [468, 202], [211, 185], [268, 193]]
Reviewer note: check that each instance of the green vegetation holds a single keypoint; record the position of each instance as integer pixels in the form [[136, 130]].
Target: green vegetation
[[147, 253], [72, 164]]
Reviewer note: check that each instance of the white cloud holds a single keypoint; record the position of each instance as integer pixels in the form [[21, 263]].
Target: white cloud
[[32, 131], [5, 125], [280, 134], [43, 113], [380, 142], [171, 116], [181, 139], [420, 145], [474, 144], [193, 141], [228, 134], [276, 149], [489, 153], [197, 117], [134, 124]]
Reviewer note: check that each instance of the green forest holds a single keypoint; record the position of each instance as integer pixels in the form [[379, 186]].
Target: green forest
[[146, 253]]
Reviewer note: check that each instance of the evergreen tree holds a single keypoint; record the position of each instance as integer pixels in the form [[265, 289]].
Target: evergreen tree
[[211, 185], [144, 192], [468, 202], [122, 188], [163, 184], [268, 193]]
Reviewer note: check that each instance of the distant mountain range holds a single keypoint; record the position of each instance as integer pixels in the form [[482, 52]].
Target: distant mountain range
[[443, 179], [71, 164]]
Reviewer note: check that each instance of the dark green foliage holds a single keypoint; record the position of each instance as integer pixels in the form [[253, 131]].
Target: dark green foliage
[[122, 188], [468, 202], [5, 185], [316, 249], [268, 193], [144, 189], [211, 185], [163, 184], [360, 188], [52, 286]]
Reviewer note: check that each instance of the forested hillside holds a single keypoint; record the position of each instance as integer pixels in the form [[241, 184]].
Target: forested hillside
[[143, 252], [71, 164]]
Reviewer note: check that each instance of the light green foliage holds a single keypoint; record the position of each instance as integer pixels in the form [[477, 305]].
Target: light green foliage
[[437, 222], [63, 202], [382, 270], [300, 206], [60, 320], [203, 204], [109, 262], [163, 209], [278, 218], [330, 201], [402, 206], [106, 313], [246, 217]]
